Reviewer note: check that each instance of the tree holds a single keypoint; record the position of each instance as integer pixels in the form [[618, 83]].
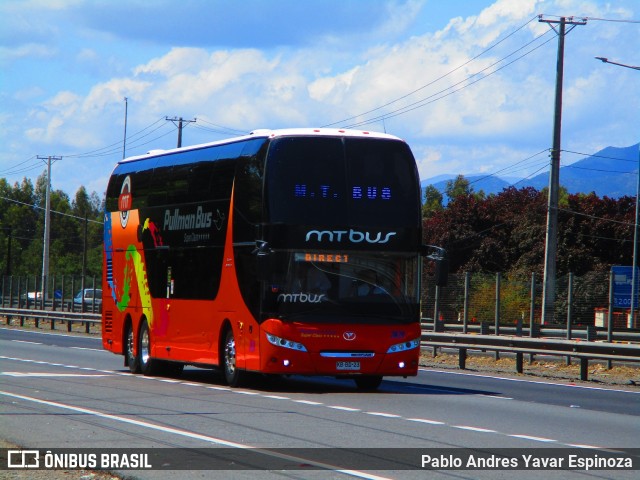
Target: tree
[[458, 187], [432, 201], [22, 225]]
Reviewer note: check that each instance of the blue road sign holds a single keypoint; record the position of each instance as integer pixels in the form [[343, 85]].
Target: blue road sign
[[622, 281]]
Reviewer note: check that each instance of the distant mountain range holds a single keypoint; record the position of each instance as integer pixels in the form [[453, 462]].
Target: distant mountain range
[[605, 173]]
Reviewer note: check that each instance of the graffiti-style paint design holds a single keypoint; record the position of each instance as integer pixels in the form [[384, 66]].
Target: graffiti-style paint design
[[155, 232], [134, 266], [141, 277]]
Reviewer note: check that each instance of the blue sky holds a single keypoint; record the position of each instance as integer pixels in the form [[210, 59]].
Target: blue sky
[[469, 83]]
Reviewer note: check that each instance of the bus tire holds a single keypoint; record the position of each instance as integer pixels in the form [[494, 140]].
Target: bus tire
[[131, 357], [148, 366], [368, 382], [233, 376]]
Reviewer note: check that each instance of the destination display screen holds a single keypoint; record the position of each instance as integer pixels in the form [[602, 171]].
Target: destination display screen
[[348, 181]]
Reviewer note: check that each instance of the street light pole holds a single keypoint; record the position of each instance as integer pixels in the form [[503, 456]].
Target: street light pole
[[634, 275]]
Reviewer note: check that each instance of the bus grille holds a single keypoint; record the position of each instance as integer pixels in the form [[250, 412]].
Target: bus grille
[[340, 354]]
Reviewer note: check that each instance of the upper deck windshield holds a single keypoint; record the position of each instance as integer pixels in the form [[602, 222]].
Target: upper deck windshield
[[348, 181]]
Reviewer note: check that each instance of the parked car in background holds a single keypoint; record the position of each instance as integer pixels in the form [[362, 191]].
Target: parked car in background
[[31, 296], [90, 297]]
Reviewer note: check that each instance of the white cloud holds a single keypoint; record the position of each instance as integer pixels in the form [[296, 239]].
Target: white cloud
[[28, 50]]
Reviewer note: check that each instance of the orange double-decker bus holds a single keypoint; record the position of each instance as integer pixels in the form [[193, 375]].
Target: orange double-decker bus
[[281, 252]]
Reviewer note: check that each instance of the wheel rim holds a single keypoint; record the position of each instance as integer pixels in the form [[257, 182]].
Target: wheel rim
[[230, 355], [144, 346], [130, 344]]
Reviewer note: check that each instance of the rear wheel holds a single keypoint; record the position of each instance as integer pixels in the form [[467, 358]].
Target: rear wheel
[[368, 382], [232, 374], [132, 358], [148, 366]]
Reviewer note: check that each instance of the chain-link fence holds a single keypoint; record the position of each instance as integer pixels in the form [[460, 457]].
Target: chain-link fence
[[496, 299], [489, 299], [73, 293]]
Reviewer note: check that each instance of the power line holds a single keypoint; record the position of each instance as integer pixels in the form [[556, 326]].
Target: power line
[[601, 156], [222, 128], [595, 217], [433, 81], [599, 170], [52, 211], [494, 174], [423, 102]]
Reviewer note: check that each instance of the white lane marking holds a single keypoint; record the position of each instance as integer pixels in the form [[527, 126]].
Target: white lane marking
[[222, 389], [580, 445], [499, 397], [346, 409], [535, 439], [538, 382], [308, 402], [276, 397], [24, 341], [425, 420], [382, 414], [53, 334], [474, 429], [188, 434], [90, 349], [44, 374]]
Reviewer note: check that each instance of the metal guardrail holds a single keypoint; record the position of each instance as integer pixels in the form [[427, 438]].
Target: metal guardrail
[[589, 333], [52, 316], [584, 351], [520, 345]]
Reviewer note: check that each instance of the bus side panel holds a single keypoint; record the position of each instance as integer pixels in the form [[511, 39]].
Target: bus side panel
[[125, 294], [233, 309]]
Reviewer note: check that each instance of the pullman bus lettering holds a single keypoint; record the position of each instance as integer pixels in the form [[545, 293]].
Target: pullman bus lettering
[[353, 236], [200, 219]]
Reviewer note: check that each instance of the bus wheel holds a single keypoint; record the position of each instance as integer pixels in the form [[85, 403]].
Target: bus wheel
[[148, 366], [368, 382], [232, 374], [132, 359]]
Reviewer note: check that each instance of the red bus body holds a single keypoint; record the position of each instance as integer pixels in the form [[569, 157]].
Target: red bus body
[[186, 283]]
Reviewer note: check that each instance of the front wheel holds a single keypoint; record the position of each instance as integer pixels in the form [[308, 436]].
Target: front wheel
[[232, 374], [368, 382]]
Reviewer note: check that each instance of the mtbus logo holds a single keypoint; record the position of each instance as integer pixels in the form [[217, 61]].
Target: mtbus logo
[[351, 235], [124, 201]]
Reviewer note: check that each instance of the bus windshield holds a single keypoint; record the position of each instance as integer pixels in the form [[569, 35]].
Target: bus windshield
[[352, 287], [350, 181]]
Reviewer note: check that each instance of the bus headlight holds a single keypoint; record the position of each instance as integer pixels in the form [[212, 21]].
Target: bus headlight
[[283, 342], [404, 346]]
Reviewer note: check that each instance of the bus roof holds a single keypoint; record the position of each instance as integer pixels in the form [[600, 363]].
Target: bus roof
[[266, 133]]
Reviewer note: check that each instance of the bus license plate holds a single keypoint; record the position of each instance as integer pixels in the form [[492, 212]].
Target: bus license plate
[[347, 365]]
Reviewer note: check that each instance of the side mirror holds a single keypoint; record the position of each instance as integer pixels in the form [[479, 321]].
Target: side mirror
[[264, 260], [439, 256]]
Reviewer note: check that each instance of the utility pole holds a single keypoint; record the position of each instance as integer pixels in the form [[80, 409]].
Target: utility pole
[[124, 141], [8, 272], [47, 227], [180, 121], [551, 241], [634, 276]]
